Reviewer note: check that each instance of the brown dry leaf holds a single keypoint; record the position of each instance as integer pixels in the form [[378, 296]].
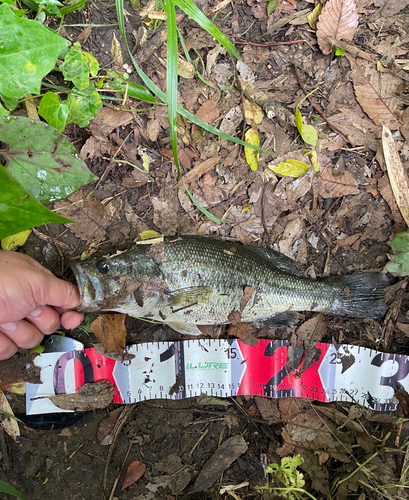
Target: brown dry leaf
[[397, 173], [243, 331], [134, 472], [111, 331], [8, 424], [374, 92], [208, 111], [329, 185], [248, 292], [225, 455], [90, 215], [95, 148], [290, 407], [199, 170], [90, 397], [184, 159], [105, 428], [338, 19], [269, 409], [316, 432], [107, 120]]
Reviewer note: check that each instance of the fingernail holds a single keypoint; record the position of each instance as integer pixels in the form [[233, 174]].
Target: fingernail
[[8, 327], [35, 313]]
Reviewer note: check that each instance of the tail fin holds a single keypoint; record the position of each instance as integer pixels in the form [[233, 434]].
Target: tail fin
[[361, 295]]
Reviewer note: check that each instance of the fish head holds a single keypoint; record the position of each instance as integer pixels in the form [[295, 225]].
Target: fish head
[[107, 283]]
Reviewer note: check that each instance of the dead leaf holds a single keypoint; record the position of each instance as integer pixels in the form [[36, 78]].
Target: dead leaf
[[153, 128], [225, 455], [315, 432], [374, 92], [404, 129], [136, 179], [133, 473], [329, 185], [199, 170], [90, 215], [8, 424], [111, 331], [95, 148], [290, 407], [338, 19], [208, 111], [107, 120], [269, 409], [105, 428], [243, 331], [248, 292], [252, 112], [397, 173], [90, 397]]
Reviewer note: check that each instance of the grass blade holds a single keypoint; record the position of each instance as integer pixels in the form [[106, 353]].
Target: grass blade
[[197, 15], [162, 96]]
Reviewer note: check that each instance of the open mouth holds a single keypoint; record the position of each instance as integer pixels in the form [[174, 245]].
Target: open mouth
[[91, 291]]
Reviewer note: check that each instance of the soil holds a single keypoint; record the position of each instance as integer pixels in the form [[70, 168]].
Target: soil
[[346, 231]]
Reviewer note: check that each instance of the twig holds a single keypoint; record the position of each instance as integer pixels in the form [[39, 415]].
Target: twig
[[269, 44], [319, 111], [123, 418], [111, 496]]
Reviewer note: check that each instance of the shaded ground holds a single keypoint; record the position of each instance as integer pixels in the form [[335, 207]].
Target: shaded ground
[[339, 221]]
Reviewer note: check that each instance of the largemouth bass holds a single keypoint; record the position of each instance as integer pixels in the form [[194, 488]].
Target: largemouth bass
[[193, 280]]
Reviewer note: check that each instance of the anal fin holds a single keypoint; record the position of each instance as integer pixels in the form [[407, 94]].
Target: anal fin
[[279, 320]]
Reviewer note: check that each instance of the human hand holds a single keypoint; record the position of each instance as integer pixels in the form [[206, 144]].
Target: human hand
[[33, 303]]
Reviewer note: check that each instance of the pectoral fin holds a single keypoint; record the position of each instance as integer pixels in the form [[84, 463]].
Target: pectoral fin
[[185, 328], [137, 311], [189, 296]]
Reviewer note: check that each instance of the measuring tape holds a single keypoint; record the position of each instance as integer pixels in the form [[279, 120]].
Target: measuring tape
[[224, 368]]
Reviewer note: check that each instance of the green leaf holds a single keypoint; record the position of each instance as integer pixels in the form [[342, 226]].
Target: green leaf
[[78, 65], [9, 2], [10, 102], [197, 15], [28, 51], [271, 7], [53, 111], [252, 156], [399, 265], [19, 210], [339, 52], [7, 488], [134, 90], [3, 112], [307, 132], [41, 160], [290, 168], [83, 105]]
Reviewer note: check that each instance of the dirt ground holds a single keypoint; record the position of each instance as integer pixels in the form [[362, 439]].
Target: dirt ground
[[340, 220]]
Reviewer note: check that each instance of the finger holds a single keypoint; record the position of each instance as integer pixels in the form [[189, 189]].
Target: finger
[[60, 293], [45, 319], [7, 347], [22, 333], [71, 319]]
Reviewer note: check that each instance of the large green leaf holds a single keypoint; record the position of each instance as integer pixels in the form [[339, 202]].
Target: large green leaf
[[28, 51], [19, 210], [41, 160]]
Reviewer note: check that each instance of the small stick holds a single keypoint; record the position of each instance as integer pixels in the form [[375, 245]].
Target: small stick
[[318, 110], [269, 44]]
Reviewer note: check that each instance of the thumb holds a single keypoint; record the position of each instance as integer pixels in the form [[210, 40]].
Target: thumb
[[61, 293]]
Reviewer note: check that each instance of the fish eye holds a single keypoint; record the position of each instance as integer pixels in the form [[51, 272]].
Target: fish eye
[[103, 267]]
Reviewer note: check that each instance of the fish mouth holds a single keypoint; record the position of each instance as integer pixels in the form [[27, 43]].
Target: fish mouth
[[90, 288]]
